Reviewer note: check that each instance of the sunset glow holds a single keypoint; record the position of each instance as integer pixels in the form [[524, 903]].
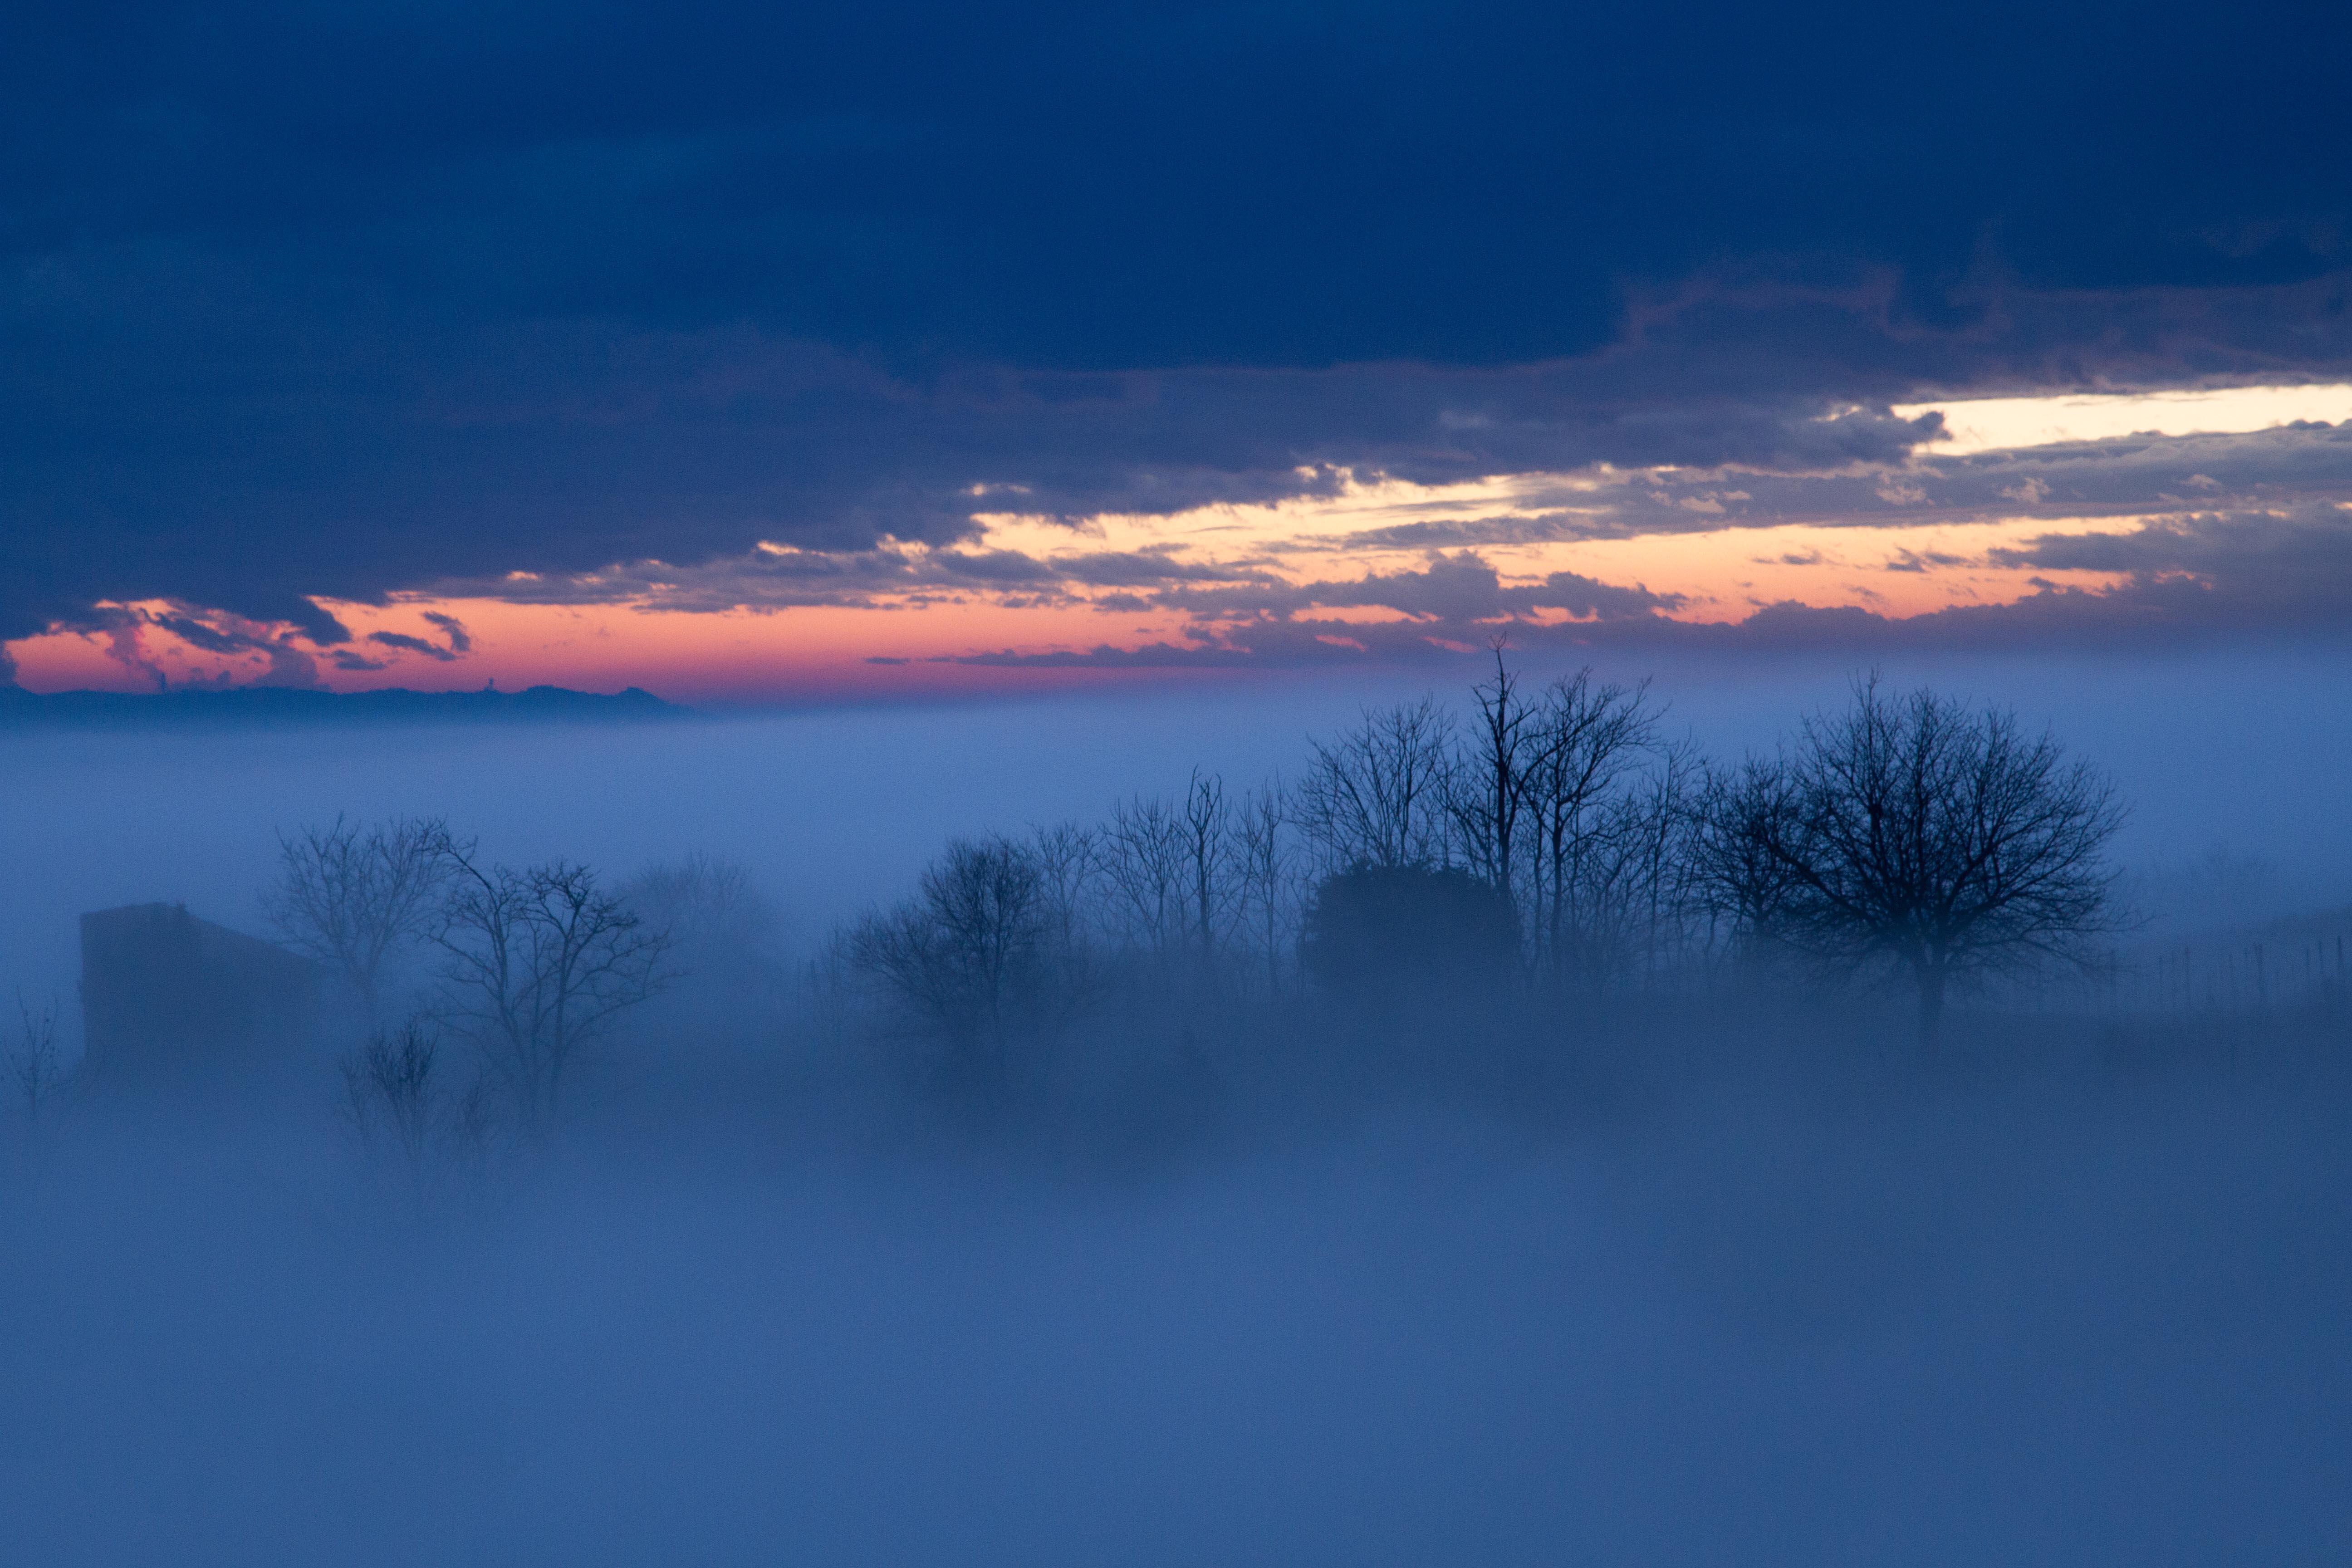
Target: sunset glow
[[676, 633], [1995, 424]]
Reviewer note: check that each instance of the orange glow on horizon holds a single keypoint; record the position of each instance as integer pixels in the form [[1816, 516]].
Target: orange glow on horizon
[[1334, 569], [1355, 561], [834, 651]]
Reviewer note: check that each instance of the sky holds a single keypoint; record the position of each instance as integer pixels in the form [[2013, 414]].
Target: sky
[[759, 354]]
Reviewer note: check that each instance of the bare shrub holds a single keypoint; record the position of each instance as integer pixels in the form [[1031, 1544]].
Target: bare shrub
[[34, 1073], [397, 1097], [388, 1086]]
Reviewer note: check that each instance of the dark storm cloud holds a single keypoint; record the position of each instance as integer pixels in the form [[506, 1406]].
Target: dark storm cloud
[[313, 302]]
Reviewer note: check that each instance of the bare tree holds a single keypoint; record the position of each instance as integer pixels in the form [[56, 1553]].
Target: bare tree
[[1376, 796], [1589, 738], [349, 896], [706, 902], [1211, 888], [727, 948], [1741, 816], [33, 1068], [1144, 865], [971, 953], [1943, 841], [1492, 789], [538, 963], [1070, 863], [1641, 907], [1265, 875]]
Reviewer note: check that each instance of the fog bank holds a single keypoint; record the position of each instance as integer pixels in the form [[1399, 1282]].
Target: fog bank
[[1219, 1268], [2077, 1321]]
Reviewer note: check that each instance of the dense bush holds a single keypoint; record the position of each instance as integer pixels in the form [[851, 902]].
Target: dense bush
[[1409, 940]]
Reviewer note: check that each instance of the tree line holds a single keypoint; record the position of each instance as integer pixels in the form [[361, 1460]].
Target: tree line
[[529, 966], [1545, 848], [1551, 844]]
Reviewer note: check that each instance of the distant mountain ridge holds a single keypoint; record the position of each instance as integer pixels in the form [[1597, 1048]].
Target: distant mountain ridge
[[272, 706]]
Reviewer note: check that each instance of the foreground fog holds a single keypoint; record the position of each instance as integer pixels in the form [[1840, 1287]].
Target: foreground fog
[[1735, 1273], [2093, 1315]]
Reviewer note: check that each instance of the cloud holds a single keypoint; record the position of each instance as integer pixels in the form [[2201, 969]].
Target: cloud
[[1922, 561], [455, 644], [452, 628], [408, 644], [2182, 581], [1287, 191], [123, 629], [2185, 581], [2263, 574], [658, 287], [1455, 602], [1152, 656]]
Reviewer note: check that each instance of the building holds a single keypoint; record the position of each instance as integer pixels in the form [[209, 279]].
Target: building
[[166, 995]]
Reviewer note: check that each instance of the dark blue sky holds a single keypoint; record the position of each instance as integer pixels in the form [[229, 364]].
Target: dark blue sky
[[304, 300]]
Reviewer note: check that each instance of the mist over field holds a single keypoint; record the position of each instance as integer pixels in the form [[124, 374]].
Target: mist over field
[[1743, 1273], [817, 784], [832, 809]]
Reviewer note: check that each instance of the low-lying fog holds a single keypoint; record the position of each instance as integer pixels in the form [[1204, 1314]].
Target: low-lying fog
[[832, 810], [1761, 1281], [2057, 1326]]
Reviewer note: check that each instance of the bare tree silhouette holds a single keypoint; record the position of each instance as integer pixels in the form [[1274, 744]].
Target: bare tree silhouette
[[1266, 857], [1212, 887], [1376, 796], [1741, 816], [539, 962], [1912, 831], [1492, 788], [1069, 862], [33, 1067], [972, 954], [1588, 739], [1143, 857], [349, 896]]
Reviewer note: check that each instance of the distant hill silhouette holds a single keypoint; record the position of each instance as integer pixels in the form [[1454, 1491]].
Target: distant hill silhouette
[[275, 706]]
